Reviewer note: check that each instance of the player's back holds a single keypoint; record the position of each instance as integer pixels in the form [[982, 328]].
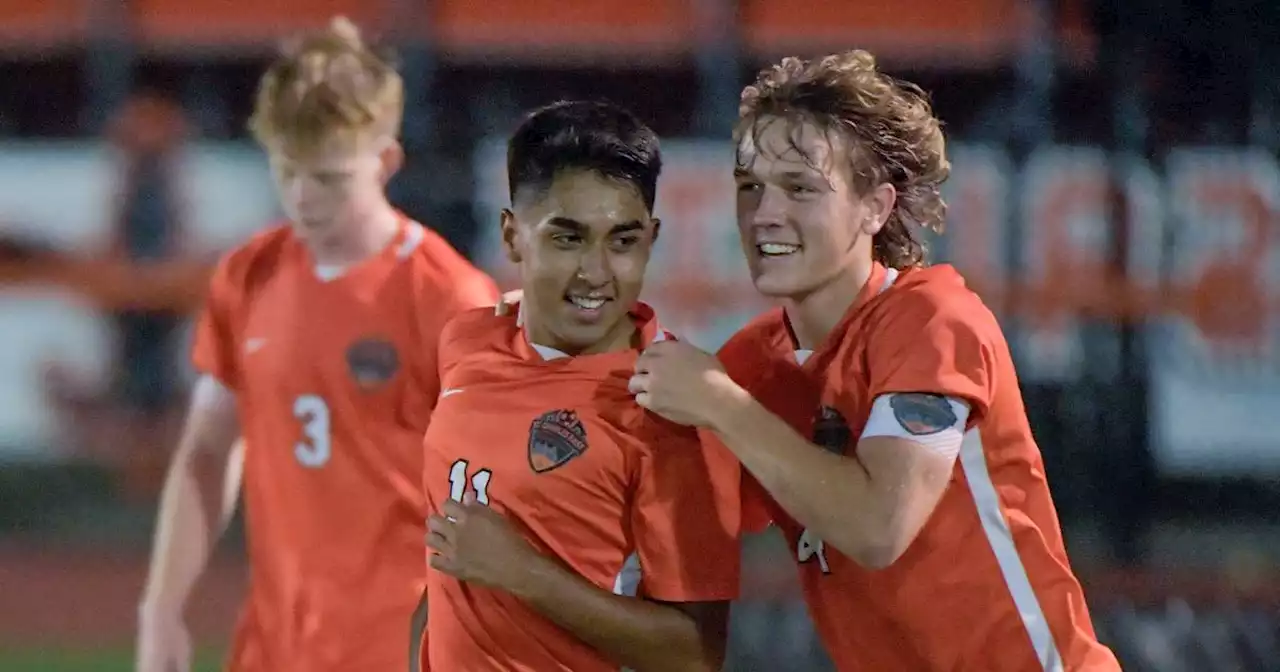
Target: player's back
[[986, 585], [558, 446], [334, 375]]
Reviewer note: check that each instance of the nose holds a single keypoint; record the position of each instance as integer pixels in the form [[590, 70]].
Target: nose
[[770, 208], [303, 193], [593, 265]]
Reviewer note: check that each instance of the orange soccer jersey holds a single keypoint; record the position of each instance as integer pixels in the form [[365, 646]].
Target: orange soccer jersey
[[335, 380], [558, 445], [986, 585]]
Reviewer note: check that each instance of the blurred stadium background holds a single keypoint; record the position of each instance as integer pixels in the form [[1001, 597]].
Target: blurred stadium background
[[1116, 198]]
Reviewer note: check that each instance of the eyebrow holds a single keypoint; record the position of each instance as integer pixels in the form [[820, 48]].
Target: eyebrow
[[741, 173], [578, 227]]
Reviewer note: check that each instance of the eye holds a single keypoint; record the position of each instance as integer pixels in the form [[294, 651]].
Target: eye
[[748, 187], [330, 179], [626, 242], [566, 239], [801, 189]]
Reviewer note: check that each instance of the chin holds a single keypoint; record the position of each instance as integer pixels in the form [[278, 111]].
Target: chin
[[778, 286]]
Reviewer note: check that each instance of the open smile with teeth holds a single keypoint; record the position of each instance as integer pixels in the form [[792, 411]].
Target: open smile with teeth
[[777, 249], [588, 302]]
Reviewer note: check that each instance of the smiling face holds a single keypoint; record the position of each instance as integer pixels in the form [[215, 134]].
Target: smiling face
[[582, 245], [801, 220]]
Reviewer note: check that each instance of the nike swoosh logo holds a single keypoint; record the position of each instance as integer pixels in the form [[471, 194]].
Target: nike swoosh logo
[[253, 345], [450, 392]]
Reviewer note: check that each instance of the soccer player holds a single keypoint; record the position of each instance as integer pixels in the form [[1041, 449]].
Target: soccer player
[[317, 344], [553, 495], [914, 495]]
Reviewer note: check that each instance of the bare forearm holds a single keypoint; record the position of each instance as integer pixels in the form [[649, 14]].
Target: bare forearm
[[831, 495], [191, 517], [642, 635]]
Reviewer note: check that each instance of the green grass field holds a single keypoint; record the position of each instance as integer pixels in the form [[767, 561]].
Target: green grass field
[[118, 660]]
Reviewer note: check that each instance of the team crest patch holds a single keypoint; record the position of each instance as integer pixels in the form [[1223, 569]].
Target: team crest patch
[[922, 414], [831, 431], [555, 438], [372, 362]]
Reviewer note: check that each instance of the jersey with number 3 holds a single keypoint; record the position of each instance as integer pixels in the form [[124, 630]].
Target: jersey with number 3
[[627, 500], [334, 376], [986, 586]]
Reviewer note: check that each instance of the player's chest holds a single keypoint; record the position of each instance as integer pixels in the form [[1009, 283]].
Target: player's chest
[[511, 443], [299, 333]]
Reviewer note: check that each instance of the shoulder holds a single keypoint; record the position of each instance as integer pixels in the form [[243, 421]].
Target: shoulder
[[240, 270], [755, 344], [443, 274], [474, 329], [935, 298]]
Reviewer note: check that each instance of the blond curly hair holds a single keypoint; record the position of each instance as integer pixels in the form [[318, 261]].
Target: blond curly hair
[[894, 137], [327, 83]]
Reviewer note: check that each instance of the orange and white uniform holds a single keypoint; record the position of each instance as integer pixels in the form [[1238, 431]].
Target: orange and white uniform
[[625, 499], [335, 378], [986, 586]]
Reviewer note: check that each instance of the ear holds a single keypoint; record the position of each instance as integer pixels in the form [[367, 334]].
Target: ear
[[879, 204], [657, 226], [510, 232], [392, 158]]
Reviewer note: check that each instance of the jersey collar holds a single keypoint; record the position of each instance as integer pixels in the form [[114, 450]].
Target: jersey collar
[[642, 314], [881, 279]]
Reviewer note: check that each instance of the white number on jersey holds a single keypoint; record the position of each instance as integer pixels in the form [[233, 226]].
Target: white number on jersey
[[458, 482], [314, 449], [810, 547]]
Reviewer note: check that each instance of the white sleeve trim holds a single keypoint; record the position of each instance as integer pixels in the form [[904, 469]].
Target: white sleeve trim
[[884, 421]]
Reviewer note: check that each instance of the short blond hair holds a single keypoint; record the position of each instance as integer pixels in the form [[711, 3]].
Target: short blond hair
[[326, 83], [894, 137]]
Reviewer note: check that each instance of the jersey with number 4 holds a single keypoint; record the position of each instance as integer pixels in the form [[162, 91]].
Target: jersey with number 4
[[627, 500], [986, 586], [334, 376]]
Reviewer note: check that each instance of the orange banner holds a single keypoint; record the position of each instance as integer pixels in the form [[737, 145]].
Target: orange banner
[[954, 32], [42, 21]]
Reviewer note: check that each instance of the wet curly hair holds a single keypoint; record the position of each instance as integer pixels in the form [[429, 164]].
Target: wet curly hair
[[893, 134]]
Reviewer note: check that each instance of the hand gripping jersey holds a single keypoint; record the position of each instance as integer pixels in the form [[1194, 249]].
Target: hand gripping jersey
[[557, 444], [986, 586], [335, 378]]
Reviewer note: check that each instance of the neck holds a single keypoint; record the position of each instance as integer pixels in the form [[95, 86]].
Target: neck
[[621, 336], [815, 314], [362, 241]]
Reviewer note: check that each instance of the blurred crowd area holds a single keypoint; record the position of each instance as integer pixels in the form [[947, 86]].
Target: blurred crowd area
[[1115, 198]]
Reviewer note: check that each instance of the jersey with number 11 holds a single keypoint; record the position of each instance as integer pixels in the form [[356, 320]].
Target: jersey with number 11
[[334, 375]]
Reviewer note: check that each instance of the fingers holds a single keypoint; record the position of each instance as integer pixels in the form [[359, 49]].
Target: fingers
[[440, 534], [453, 509], [443, 564], [469, 498], [638, 383], [507, 302]]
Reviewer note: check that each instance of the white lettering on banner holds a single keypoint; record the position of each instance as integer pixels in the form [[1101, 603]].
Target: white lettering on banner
[[1204, 252], [1069, 203], [1226, 256]]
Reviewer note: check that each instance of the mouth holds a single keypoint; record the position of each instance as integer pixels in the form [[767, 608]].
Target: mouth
[[770, 250], [587, 305]]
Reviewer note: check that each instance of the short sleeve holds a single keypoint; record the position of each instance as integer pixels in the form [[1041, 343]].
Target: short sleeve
[[686, 519], [437, 301], [213, 350], [930, 344]]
